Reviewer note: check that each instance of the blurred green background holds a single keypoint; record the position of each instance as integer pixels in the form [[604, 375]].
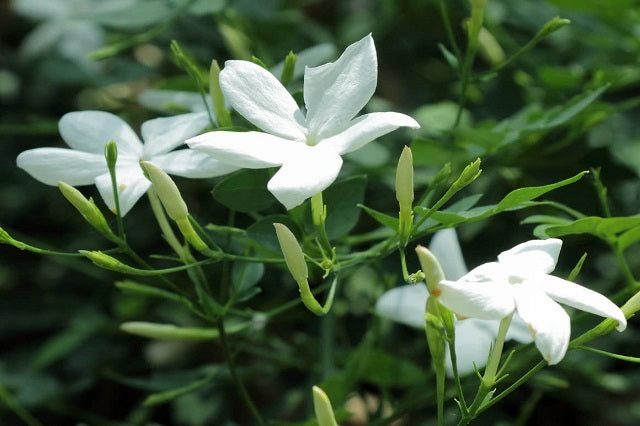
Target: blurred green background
[[62, 355]]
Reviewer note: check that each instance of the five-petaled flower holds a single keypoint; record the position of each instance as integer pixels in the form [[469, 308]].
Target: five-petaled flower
[[306, 144], [520, 281], [406, 304], [87, 133]]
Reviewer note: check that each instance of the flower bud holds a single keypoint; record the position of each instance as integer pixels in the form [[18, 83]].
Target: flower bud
[[475, 23], [552, 26], [404, 179], [167, 191], [322, 408], [318, 210], [88, 209], [468, 175], [105, 261], [431, 269], [292, 252], [434, 330], [111, 154], [404, 193], [632, 305], [288, 68], [217, 97], [168, 331]]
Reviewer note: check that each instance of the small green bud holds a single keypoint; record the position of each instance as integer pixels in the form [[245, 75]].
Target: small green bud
[[322, 408], [468, 175], [292, 252], [111, 154], [632, 305], [217, 97], [288, 68], [167, 191], [489, 47], [431, 269], [552, 26], [105, 261], [88, 209]]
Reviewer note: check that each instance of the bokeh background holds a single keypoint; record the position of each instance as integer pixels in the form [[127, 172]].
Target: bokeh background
[[62, 354]]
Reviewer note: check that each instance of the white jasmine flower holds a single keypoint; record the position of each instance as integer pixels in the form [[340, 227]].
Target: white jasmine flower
[[171, 101], [520, 281], [306, 144], [406, 304], [87, 133]]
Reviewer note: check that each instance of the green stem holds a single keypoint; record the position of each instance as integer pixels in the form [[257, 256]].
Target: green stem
[[19, 410], [242, 390], [447, 25]]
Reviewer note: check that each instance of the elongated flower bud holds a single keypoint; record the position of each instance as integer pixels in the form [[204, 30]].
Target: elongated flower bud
[[404, 193], [217, 97], [88, 209], [292, 252], [167, 191], [434, 330], [431, 269], [322, 408]]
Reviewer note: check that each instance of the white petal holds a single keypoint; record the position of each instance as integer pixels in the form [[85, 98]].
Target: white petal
[[405, 304], [548, 322], [131, 186], [161, 135], [91, 130], [44, 37], [474, 338], [446, 248], [579, 297], [518, 330], [260, 98], [532, 257], [335, 92], [486, 299], [41, 10], [312, 170], [78, 39], [172, 100], [367, 128], [192, 164], [50, 165], [253, 150]]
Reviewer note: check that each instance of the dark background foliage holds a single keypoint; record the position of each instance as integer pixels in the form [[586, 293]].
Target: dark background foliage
[[62, 354]]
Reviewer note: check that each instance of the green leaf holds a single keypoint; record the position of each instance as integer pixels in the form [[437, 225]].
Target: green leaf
[[382, 369], [605, 228], [629, 237], [136, 288], [384, 219], [83, 326], [342, 199], [244, 277], [168, 395], [245, 191], [264, 234], [440, 117], [140, 14], [516, 199], [206, 7]]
